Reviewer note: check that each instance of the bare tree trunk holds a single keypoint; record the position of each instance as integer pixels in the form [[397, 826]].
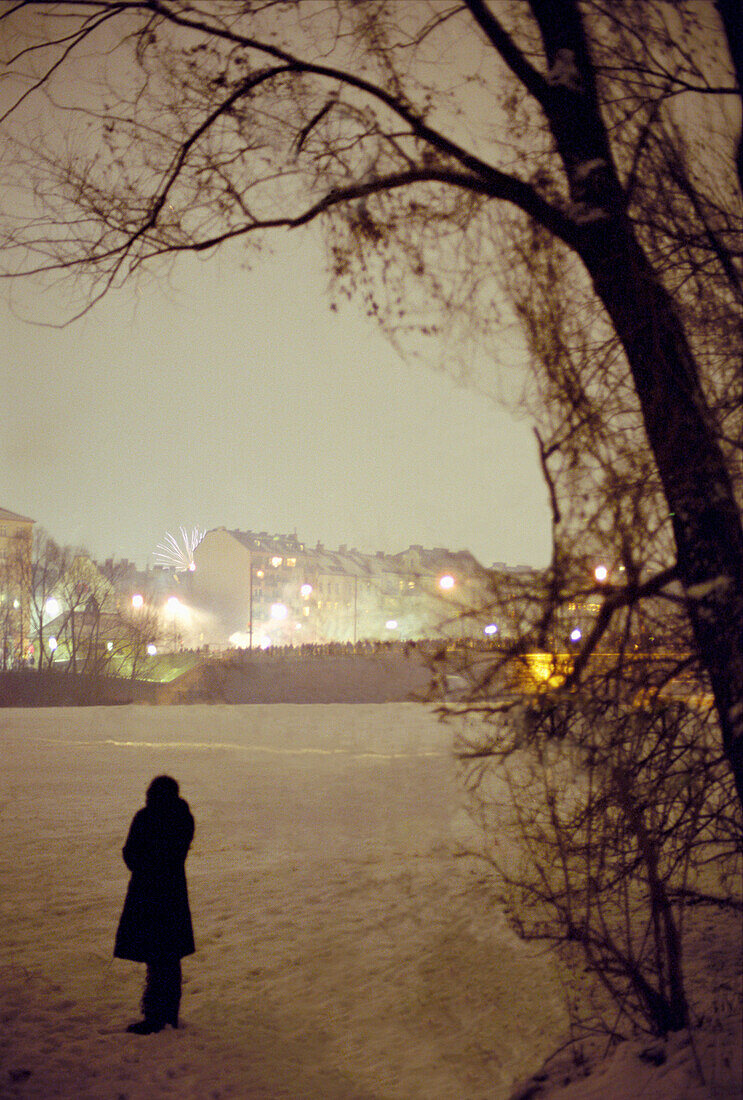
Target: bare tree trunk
[[731, 14], [678, 422], [696, 482]]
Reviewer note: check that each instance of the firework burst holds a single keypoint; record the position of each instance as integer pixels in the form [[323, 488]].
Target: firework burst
[[176, 551]]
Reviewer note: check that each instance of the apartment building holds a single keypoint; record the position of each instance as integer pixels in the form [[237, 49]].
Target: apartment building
[[257, 589]]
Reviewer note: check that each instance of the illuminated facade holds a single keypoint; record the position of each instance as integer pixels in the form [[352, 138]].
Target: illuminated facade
[[261, 589]]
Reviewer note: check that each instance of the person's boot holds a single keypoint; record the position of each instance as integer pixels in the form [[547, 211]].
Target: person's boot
[[148, 1026]]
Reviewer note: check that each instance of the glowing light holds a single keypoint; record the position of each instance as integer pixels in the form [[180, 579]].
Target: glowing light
[[601, 573], [575, 635], [137, 600], [173, 604], [109, 646], [546, 669], [447, 582], [260, 573], [265, 642], [52, 644], [176, 552], [306, 590], [491, 628], [52, 606], [391, 624], [276, 562], [279, 611], [151, 650]]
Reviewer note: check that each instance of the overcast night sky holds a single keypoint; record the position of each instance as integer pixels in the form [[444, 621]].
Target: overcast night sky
[[219, 395], [225, 396]]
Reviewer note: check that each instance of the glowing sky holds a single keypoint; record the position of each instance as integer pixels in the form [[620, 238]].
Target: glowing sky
[[222, 396]]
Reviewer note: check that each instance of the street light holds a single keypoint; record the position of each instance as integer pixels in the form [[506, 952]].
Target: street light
[[601, 573], [447, 582], [174, 606], [137, 600]]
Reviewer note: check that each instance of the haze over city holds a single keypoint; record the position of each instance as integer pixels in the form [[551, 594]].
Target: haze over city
[[220, 395]]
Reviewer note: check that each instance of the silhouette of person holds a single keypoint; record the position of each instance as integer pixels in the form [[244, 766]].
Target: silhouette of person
[[155, 926]]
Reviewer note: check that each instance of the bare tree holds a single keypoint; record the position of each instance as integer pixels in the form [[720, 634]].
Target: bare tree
[[47, 566], [603, 821], [434, 141], [139, 629], [15, 599], [91, 627]]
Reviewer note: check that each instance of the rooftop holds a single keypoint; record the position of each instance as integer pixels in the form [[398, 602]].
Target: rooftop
[[14, 517]]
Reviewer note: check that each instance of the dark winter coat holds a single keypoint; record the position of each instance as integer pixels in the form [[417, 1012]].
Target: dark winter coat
[[156, 919]]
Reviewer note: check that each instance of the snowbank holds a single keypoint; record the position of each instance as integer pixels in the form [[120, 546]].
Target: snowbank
[[342, 953]]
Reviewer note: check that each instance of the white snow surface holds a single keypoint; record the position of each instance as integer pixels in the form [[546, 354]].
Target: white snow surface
[[343, 952]]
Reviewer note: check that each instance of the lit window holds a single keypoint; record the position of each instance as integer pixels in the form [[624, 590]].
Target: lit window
[[276, 562], [291, 562]]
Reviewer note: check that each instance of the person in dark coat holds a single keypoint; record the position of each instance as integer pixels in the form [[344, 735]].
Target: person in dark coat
[[155, 926]]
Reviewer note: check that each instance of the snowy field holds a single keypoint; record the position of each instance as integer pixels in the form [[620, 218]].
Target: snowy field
[[342, 953]]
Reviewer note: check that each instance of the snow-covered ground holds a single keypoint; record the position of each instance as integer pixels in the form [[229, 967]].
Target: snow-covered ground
[[342, 952]]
